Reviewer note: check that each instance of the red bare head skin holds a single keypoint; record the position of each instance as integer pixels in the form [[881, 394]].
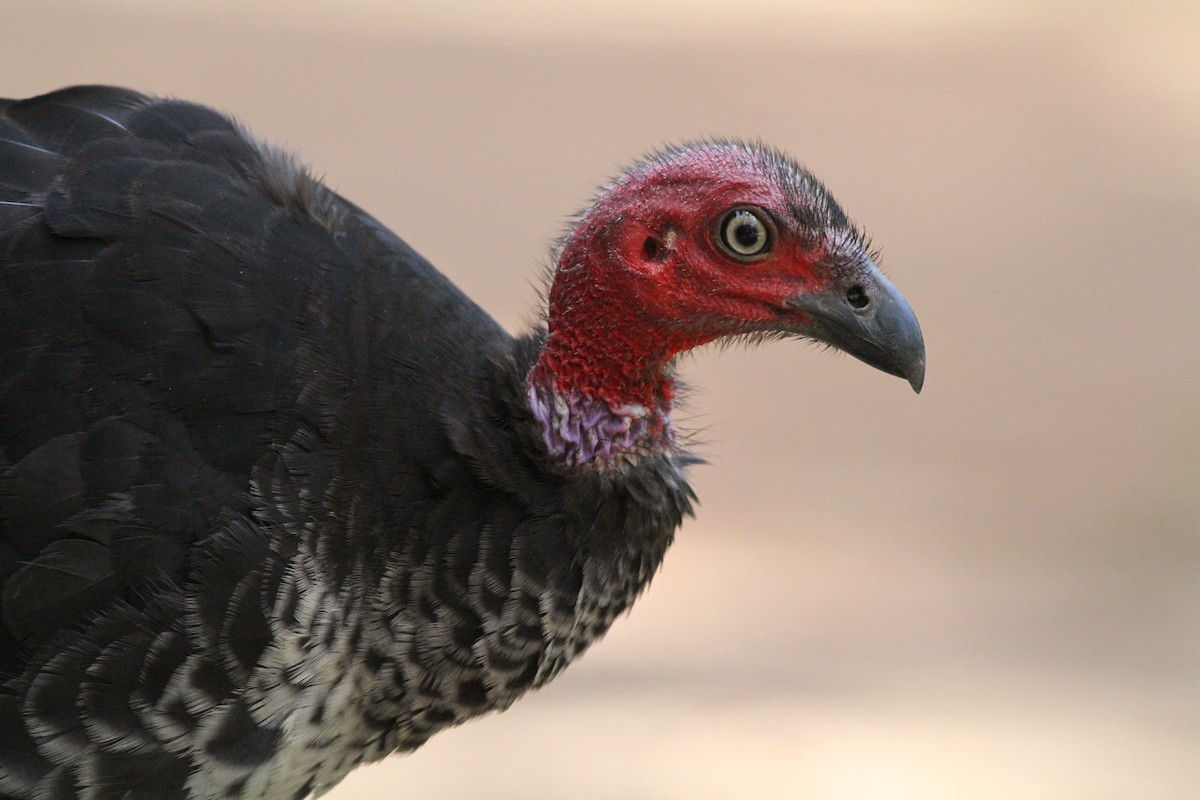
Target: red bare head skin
[[647, 273]]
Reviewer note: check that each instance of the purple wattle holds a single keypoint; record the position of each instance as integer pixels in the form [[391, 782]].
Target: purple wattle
[[579, 430]]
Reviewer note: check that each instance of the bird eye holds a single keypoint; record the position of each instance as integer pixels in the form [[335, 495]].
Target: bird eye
[[744, 234]]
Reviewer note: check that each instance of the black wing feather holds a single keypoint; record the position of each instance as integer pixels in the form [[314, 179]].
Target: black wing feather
[[154, 300]]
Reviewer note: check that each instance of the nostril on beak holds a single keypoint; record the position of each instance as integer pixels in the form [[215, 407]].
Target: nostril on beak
[[857, 297]]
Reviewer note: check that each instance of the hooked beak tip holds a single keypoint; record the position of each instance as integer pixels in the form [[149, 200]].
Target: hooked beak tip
[[916, 378]]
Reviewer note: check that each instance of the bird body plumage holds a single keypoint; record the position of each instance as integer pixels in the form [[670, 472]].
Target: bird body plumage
[[276, 498], [256, 526]]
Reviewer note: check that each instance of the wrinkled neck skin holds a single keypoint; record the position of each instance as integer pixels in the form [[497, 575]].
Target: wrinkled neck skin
[[585, 432], [603, 400], [602, 388]]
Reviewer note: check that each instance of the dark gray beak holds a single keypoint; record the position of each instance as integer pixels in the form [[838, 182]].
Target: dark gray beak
[[867, 317]]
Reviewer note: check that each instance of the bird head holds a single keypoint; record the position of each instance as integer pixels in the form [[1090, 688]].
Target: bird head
[[706, 242]]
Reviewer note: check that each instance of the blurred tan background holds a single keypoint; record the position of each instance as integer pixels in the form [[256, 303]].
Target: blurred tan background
[[988, 591]]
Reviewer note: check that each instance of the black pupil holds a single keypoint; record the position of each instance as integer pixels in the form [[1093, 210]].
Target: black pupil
[[746, 233], [747, 230]]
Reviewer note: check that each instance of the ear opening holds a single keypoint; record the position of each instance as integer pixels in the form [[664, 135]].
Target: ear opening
[[645, 250], [652, 249]]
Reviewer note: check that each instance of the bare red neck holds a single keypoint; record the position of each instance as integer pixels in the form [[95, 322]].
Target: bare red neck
[[603, 386], [599, 345]]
